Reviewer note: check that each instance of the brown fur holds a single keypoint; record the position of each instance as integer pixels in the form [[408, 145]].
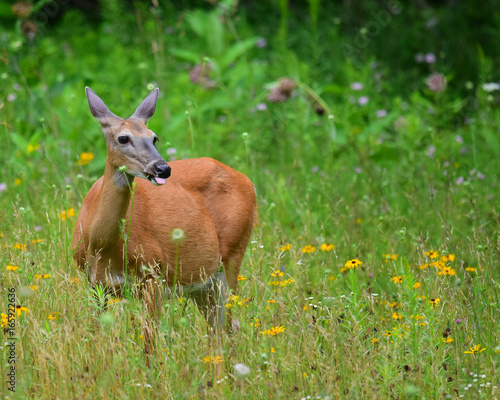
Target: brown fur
[[212, 203]]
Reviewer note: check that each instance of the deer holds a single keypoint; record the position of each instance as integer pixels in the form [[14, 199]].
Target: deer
[[188, 222]]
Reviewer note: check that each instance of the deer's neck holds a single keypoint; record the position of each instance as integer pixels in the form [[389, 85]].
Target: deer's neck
[[111, 208]]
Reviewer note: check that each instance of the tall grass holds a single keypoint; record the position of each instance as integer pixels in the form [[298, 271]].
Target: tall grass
[[397, 192]]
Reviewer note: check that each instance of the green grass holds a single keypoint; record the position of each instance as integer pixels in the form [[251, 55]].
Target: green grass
[[368, 185]]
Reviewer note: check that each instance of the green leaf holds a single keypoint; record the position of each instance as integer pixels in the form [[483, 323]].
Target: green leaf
[[186, 55], [235, 51]]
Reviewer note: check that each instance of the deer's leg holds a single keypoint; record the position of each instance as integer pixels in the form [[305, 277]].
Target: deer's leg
[[153, 302], [211, 301], [232, 265]]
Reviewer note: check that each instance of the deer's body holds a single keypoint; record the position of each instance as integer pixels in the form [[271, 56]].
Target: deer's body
[[198, 197], [210, 204]]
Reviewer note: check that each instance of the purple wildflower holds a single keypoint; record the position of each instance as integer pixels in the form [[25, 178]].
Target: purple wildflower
[[261, 107], [459, 180], [363, 100], [436, 82], [430, 58], [357, 86], [430, 151], [3, 186], [381, 113], [261, 43]]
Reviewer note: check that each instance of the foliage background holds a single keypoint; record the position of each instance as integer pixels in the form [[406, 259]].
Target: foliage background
[[365, 153]]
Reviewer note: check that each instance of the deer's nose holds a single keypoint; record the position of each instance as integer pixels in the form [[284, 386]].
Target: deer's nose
[[163, 170]]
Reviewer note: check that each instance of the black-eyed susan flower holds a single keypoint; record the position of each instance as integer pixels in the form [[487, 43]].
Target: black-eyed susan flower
[[36, 241], [33, 287], [19, 246], [424, 266], [327, 247], [4, 320], [470, 269], [374, 340], [448, 339], [53, 316], [85, 158], [397, 279], [416, 285], [277, 273], [39, 276], [393, 304], [286, 247], [395, 315], [475, 350], [447, 258], [241, 278], [308, 249], [354, 263], [432, 254], [447, 271], [255, 322], [435, 302], [12, 267], [73, 280], [20, 309], [388, 257]]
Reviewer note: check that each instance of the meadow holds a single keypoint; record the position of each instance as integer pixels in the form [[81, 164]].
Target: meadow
[[373, 270]]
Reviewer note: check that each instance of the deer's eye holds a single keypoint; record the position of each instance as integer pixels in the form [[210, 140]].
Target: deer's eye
[[123, 139], [155, 140]]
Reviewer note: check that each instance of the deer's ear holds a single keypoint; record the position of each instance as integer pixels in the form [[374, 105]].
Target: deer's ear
[[147, 108], [97, 106]]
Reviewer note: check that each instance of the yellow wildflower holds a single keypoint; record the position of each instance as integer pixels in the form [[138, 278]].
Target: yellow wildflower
[[73, 280], [277, 273], [64, 215], [397, 279], [395, 315], [33, 287], [85, 158], [416, 285], [354, 263], [17, 181], [20, 309], [53, 316], [359, 220], [32, 147], [447, 271], [20, 246], [308, 249], [327, 247], [476, 349], [449, 339], [286, 247], [241, 278], [388, 257], [275, 330], [435, 301], [432, 254], [449, 257], [11, 267], [4, 320], [213, 360], [470, 269]]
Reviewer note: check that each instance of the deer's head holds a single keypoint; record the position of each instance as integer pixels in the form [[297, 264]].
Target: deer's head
[[130, 143]]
